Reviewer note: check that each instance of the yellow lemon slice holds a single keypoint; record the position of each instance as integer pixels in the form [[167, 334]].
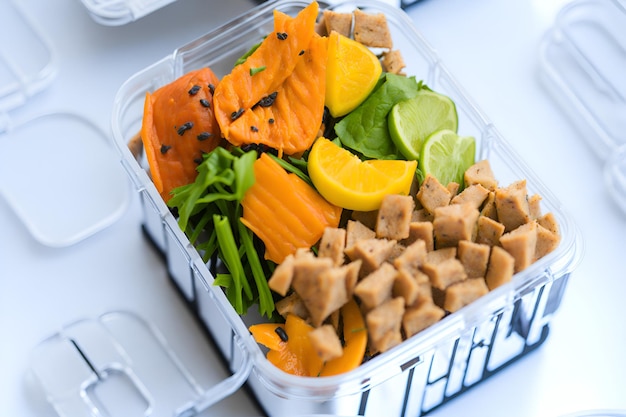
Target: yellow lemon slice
[[346, 181], [352, 71]]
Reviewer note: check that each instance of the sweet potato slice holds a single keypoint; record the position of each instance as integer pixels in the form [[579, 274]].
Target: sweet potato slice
[[178, 127], [276, 97]]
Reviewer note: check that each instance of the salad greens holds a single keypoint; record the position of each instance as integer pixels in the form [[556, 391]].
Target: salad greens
[[215, 197]]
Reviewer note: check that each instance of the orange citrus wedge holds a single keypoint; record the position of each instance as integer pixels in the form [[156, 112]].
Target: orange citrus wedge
[[352, 71], [346, 181]]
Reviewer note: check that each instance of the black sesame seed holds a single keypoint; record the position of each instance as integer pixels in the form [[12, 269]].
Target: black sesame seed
[[211, 88], [301, 52], [204, 136], [268, 100], [254, 128], [281, 35], [205, 103], [165, 148], [236, 114], [197, 160], [271, 120], [194, 90], [282, 334], [184, 127]]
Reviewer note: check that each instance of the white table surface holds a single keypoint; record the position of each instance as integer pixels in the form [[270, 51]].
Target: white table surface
[[491, 47]]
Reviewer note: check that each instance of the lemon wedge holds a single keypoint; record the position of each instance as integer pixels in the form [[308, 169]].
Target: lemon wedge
[[346, 181], [352, 71]]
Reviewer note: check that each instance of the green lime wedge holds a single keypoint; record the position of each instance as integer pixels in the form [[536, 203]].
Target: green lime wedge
[[447, 156], [412, 121]]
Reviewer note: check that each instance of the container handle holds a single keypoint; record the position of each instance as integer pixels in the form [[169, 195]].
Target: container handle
[[220, 390]]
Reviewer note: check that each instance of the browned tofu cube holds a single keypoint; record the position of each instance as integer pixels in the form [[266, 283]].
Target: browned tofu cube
[[500, 268], [412, 258], [292, 304], [420, 230], [444, 273], [488, 231], [372, 30], [462, 293], [512, 205], [489, 206], [440, 255], [474, 257], [338, 22], [332, 244], [376, 287], [521, 243], [281, 278], [547, 241], [385, 318], [475, 195], [454, 223], [481, 173], [393, 62], [432, 194], [418, 318], [394, 217], [534, 206], [549, 222], [405, 286], [373, 252], [326, 342], [356, 231]]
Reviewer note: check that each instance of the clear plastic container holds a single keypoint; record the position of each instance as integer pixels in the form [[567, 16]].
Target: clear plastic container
[[423, 372], [582, 61], [120, 12], [59, 199]]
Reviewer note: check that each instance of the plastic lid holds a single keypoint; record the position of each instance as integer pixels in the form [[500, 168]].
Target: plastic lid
[[582, 59], [120, 12], [120, 364], [58, 171]]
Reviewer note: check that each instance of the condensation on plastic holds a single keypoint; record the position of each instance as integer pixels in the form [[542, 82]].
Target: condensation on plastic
[[58, 170], [435, 365], [583, 57]]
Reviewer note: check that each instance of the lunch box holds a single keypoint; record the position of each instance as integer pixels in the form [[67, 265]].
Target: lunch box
[[411, 379], [582, 61]]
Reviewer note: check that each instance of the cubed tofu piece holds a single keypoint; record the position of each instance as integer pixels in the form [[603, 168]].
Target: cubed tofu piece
[[292, 304], [521, 243], [281, 278], [547, 241], [326, 343], [512, 205], [420, 317], [454, 188], [420, 230], [481, 173], [500, 268], [474, 257], [444, 273], [489, 206], [549, 222], [488, 231], [356, 231], [440, 255], [321, 287], [534, 206], [454, 223], [475, 195], [405, 286], [394, 217], [352, 276], [376, 287], [385, 318], [412, 257], [421, 214], [338, 22], [432, 194], [372, 30], [333, 244], [393, 62], [373, 252], [463, 293]]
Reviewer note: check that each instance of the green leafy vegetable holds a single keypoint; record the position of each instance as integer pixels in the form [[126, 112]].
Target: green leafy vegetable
[[365, 130], [209, 211]]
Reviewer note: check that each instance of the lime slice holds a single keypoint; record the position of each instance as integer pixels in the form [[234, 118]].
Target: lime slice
[[412, 121], [447, 156]]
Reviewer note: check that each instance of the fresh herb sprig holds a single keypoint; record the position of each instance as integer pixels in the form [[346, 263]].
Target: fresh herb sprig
[[209, 211]]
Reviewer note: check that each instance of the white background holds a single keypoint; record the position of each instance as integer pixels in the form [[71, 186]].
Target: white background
[[491, 47]]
